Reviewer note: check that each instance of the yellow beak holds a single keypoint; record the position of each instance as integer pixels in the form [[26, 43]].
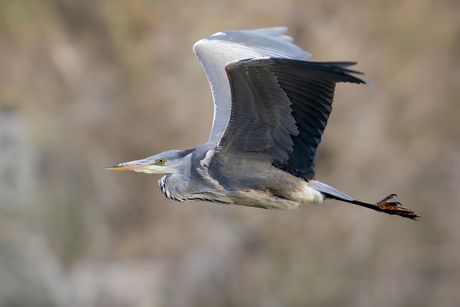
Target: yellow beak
[[137, 166]]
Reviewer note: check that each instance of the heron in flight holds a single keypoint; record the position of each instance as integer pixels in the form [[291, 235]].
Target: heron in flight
[[270, 109]]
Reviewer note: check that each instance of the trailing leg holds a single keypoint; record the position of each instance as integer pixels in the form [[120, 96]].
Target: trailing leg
[[393, 208]]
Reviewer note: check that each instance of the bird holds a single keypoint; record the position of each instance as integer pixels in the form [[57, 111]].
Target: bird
[[271, 107]]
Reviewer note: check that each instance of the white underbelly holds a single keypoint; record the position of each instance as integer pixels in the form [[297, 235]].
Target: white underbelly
[[267, 200]]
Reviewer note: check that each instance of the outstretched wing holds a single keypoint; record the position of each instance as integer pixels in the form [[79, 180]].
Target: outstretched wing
[[216, 51], [280, 108]]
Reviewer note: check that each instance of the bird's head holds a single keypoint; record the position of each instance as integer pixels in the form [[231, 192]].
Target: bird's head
[[168, 162]]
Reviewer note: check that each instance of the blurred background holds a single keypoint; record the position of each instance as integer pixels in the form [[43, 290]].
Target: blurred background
[[85, 84]]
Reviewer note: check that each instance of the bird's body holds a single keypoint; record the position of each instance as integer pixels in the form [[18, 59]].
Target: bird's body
[[264, 186], [270, 110]]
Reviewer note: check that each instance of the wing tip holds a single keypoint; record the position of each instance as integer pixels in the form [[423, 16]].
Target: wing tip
[[370, 84]]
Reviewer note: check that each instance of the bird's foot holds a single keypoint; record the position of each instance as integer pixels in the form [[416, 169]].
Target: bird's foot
[[395, 208]]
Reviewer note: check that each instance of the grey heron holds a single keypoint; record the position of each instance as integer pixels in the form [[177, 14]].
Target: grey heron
[[271, 107]]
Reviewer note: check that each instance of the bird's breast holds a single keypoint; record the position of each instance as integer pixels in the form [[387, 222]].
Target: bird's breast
[[163, 183]]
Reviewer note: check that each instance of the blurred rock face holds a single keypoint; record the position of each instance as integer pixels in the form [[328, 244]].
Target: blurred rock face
[[85, 84]]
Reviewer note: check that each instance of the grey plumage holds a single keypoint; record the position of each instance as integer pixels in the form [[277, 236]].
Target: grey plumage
[[271, 107]]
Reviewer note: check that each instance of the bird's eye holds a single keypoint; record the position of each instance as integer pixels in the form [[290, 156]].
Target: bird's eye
[[161, 160]]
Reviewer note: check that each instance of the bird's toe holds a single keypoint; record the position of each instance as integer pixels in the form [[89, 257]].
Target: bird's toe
[[396, 208]]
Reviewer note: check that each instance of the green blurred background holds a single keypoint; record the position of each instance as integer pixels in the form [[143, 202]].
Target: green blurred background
[[89, 83]]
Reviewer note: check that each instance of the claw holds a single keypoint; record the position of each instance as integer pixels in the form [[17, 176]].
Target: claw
[[395, 208], [391, 196]]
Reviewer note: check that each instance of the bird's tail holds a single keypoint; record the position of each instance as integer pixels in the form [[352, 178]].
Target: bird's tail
[[329, 191]]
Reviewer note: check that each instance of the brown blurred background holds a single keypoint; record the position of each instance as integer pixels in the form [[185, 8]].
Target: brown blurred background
[[85, 84]]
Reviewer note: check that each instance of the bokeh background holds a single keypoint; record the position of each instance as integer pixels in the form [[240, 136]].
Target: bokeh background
[[85, 84]]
